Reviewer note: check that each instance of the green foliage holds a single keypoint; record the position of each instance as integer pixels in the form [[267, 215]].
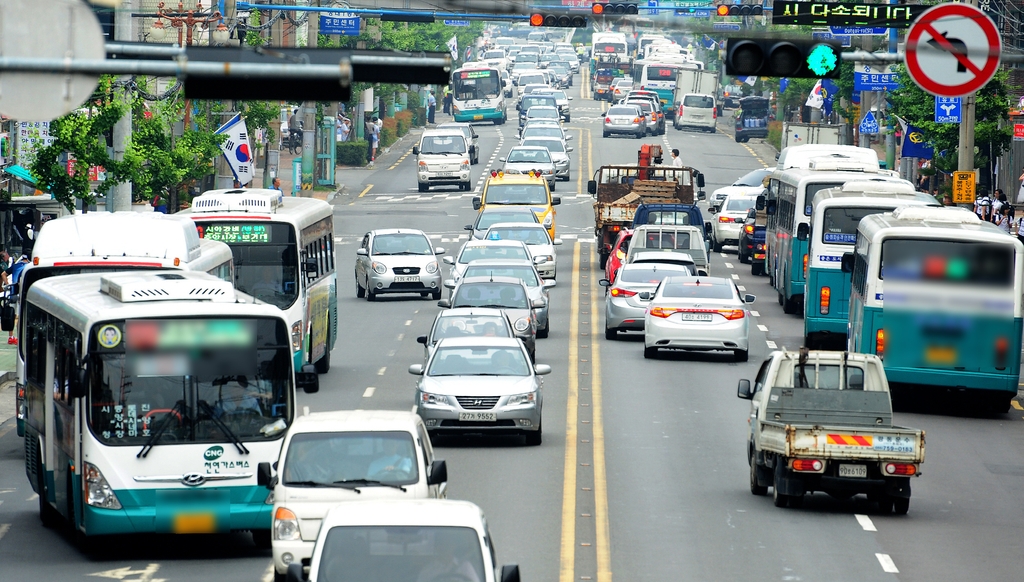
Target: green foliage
[[775, 134], [911, 103], [403, 121], [258, 115], [253, 37], [352, 153], [159, 165]]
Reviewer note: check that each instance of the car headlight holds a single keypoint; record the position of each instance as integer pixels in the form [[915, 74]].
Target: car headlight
[[549, 220], [286, 525], [434, 399], [547, 258], [297, 336], [98, 492], [521, 399], [522, 324], [464, 166], [379, 268], [431, 267]]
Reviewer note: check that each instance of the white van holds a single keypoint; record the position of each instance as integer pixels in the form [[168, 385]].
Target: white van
[[410, 540], [685, 238], [697, 111], [336, 457], [442, 159]]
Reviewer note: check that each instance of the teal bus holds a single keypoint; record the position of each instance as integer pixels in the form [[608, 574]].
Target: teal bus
[[788, 206], [834, 219], [152, 398], [936, 293], [478, 95]]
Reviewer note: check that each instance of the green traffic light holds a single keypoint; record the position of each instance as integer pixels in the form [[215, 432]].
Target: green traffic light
[[822, 60]]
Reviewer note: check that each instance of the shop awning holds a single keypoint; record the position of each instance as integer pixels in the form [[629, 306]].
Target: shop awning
[[20, 173]]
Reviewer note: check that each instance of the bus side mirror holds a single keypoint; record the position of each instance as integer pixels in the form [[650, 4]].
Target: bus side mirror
[[592, 186], [743, 390], [802, 230], [263, 474], [308, 379], [759, 203], [700, 180], [769, 208], [847, 263], [78, 382], [8, 313]]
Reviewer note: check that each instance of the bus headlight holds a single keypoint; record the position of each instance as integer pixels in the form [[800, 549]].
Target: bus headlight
[[431, 267], [97, 491], [286, 525], [297, 336]]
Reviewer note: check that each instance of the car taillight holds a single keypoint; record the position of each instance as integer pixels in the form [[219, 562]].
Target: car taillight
[[759, 246], [616, 292], [1002, 350], [749, 229], [714, 113], [880, 343], [724, 219], [807, 465], [636, 120], [732, 314], [824, 298], [900, 469], [607, 119], [680, 111], [662, 311]]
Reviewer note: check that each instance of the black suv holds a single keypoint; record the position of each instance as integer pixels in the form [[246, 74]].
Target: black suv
[[752, 118]]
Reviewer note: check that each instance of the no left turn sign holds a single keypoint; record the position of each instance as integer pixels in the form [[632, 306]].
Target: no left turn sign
[[952, 50]]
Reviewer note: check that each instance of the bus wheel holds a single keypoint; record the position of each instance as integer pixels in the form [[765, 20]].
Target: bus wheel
[[47, 514], [261, 538], [323, 365], [790, 306]]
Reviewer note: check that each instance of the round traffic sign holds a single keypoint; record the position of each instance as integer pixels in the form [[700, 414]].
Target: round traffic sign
[[952, 50]]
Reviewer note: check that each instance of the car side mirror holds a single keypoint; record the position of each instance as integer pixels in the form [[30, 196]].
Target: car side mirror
[[568, 138], [263, 474], [416, 369], [592, 187], [802, 230], [538, 303], [748, 298], [362, 252], [449, 283], [438, 250], [846, 263], [769, 207], [415, 150], [438, 473], [569, 150], [422, 339], [308, 379], [712, 210], [449, 260], [700, 180], [476, 203], [549, 283], [557, 241], [509, 573], [604, 283], [556, 200], [539, 260], [701, 195], [541, 369], [644, 295], [445, 303], [295, 573], [468, 227], [503, 160], [743, 390], [759, 202], [570, 98]]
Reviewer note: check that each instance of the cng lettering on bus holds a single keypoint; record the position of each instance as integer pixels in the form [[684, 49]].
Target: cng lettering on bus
[[213, 453]]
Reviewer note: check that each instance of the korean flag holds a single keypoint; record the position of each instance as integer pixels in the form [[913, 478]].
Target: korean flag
[[236, 149]]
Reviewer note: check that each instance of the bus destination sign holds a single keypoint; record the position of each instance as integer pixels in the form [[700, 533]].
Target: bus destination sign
[[846, 14]]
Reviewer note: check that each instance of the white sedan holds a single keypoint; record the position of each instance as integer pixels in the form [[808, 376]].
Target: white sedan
[[697, 313], [536, 239]]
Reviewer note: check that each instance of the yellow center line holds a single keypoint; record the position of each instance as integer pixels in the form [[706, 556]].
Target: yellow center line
[[1016, 405], [604, 557], [590, 156], [567, 555], [581, 171], [365, 190]]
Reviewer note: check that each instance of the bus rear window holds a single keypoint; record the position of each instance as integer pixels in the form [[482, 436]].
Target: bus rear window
[[948, 261], [813, 189], [839, 225]]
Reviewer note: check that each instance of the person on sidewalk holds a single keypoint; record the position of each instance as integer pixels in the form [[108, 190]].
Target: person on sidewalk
[[431, 107], [374, 139], [276, 185], [10, 277]]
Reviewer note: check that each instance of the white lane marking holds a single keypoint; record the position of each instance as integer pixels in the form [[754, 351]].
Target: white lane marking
[[33, 497], [434, 235], [391, 353], [887, 564], [735, 276], [401, 336], [723, 255], [865, 522], [369, 391], [728, 266], [755, 314], [268, 576], [408, 322], [382, 370], [4, 528], [770, 344], [762, 327], [741, 287]]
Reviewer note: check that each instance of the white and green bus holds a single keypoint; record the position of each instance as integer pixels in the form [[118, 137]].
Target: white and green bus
[[103, 242], [478, 95], [283, 251], [151, 399]]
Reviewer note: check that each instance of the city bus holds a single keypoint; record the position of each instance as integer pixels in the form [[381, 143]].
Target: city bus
[[478, 95], [788, 206], [660, 77], [834, 219], [99, 242], [152, 397], [936, 293], [283, 250], [608, 47]]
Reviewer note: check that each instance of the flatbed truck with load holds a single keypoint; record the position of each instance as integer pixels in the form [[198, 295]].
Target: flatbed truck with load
[[822, 421]]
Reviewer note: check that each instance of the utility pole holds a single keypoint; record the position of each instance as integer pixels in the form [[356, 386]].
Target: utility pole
[[273, 168], [965, 158], [120, 196], [865, 100], [309, 110], [890, 135]]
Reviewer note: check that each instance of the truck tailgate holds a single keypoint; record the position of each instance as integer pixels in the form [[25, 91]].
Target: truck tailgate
[[844, 442], [613, 214]]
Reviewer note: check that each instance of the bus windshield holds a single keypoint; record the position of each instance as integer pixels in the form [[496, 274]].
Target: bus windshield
[[839, 225], [947, 261], [265, 255], [516, 194], [477, 84], [189, 380]]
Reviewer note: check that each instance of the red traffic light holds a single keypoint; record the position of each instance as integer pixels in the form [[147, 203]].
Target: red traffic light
[[558, 20], [536, 20], [723, 10], [607, 8], [597, 8]]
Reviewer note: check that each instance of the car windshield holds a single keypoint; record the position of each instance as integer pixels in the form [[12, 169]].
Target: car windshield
[[528, 156], [401, 244], [542, 113], [488, 218], [697, 290], [530, 236], [327, 458], [500, 295], [443, 144], [739, 204], [534, 100], [754, 178], [516, 194], [542, 131], [700, 101], [525, 273], [649, 273], [469, 326], [413, 553], [479, 361], [491, 251], [625, 111], [552, 145]]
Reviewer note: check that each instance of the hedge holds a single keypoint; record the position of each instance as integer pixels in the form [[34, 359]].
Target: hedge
[[352, 153], [403, 121], [775, 134], [388, 132], [419, 116]]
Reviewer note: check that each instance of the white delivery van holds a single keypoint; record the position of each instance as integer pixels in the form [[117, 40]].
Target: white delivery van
[[442, 159], [698, 112], [335, 457]]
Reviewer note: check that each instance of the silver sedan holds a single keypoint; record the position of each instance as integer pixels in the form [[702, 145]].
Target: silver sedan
[[523, 160], [465, 322], [625, 304], [525, 272], [627, 119], [397, 260], [481, 385], [697, 313], [558, 151]]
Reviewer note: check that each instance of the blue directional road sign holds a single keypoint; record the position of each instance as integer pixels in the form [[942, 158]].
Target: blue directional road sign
[[869, 124], [693, 12], [868, 78], [653, 4], [947, 110], [849, 30], [343, 24], [725, 26], [844, 40], [456, 23]]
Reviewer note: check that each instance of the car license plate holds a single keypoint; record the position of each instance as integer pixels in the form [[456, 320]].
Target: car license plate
[[194, 523], [407, 278], [620, 121], [857, 471], [940, 355], [477, 117], [695, 316], [478, 416], [445, 174]]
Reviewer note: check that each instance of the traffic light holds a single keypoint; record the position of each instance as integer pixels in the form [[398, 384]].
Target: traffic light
[[558, 20], [747, 8], [782, 58], [605, 8]]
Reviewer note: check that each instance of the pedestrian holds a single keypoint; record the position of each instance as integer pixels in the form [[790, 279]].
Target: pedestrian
[[431, 107], [1002, 220], [10, 277], [448, 100], [1020, 230], [983, 207], [677, 162], [276, 185], [159, 204], [998, 203], [345, 130], [374, 139], [1020, 192]]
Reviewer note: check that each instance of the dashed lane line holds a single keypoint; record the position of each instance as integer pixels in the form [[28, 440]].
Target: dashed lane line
[[755, 314], [4, 528], [728, 266], [763, 328], [408, 322], [771, 344], [1016, 405], [865, 522], [741, 287], [735, 277], [888, 566], [382, 370], [369, 391]]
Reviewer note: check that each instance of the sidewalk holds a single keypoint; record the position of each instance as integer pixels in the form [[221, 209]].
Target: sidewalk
[[352, 180], [8, 363]]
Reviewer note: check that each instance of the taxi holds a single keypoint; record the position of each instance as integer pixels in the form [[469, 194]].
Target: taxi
[[528, 190]]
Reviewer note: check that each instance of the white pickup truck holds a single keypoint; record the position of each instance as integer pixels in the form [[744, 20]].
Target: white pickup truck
[[822, 421]]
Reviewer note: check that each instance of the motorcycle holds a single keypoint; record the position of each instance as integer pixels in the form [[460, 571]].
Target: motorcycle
[[292, 142]]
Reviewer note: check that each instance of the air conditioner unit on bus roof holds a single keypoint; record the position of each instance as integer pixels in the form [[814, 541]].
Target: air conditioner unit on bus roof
[[879, 187], [254, 200], [131, 287], [936, 214]]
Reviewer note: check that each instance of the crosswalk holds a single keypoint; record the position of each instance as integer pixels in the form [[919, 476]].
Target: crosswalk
[[393, 198], [457, 237]]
